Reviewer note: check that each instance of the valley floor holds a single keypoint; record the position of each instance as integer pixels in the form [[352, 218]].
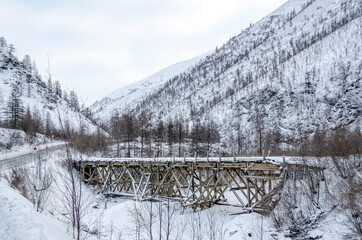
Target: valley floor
[[120, 218]]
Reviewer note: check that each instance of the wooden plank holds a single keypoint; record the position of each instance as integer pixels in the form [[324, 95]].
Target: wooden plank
[[200, 183]]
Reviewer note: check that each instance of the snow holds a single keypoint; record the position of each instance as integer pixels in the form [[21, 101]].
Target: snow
[[29, 149], [35, 96], [335, 102], [113, 217], [125, 97], [331, 227], [303, 91], [274, 160], [20, 144], [20, 221], [233, 227]]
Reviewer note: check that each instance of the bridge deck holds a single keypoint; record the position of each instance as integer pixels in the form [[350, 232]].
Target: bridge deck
[[276, 160]]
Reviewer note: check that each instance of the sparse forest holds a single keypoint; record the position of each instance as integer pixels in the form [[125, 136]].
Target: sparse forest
[[286, 86]]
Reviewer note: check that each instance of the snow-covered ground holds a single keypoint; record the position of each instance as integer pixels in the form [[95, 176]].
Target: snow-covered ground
[[15, 143], [20, 221], [123, 218], [299, 69], [42, 101]]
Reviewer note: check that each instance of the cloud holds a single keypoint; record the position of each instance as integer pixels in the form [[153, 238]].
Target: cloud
[[97, 46]]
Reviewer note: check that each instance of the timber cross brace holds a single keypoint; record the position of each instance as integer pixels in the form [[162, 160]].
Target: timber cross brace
[[198, 184]]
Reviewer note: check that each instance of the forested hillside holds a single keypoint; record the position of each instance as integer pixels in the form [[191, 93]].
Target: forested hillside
[[292, 74], [29, 103]]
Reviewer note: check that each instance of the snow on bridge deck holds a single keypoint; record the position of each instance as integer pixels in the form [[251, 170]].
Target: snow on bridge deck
[[275, 160]]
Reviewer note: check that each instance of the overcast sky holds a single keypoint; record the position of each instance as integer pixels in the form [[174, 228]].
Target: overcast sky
[[97, 46]]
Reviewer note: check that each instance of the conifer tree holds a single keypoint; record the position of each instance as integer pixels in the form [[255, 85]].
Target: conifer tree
[[27, 124], [58, 89], [27, 64], [15, 108], [74, 102], [3, 43]]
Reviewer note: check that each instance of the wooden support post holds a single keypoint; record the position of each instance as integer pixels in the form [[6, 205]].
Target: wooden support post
[[248, 192], [199, 183], [192, 182]]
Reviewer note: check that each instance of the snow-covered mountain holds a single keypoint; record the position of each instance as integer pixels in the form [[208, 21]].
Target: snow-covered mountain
[[45, 101], [295, 71], [129, 96]]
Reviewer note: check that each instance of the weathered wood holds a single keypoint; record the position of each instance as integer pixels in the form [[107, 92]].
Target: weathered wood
[[198, 184]]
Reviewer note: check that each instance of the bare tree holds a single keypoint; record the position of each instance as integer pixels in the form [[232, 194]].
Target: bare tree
[[211, 134], [159, 137], [259, 127], [40, 182], [74, 203], [194, 226], [144, 125], [180, 135], [214, 229], [171, 136], [128, 130]]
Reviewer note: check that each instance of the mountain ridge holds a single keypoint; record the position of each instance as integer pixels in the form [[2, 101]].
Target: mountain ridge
[[45, 103], [297, 70], [128, 94]]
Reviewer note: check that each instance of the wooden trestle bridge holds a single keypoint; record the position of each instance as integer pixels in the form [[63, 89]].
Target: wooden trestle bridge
[[198, 183]]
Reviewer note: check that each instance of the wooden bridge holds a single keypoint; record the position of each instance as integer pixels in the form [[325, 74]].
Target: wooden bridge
[[249, 183]]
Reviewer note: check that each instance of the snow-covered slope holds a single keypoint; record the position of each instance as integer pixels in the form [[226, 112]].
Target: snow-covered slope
[[43, 103], [295, 71], [19, 220], [128, 97]]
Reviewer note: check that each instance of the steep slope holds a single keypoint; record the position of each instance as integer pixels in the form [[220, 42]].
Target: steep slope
[[295, 71], [44, 103], [129, 96]]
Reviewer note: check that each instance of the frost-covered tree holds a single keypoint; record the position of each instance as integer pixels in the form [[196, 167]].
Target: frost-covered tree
[[11, 50], [3, 43], [58, 89], [15, 108], [27, 64], [35, 70], [65, 96], [73, 100]]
